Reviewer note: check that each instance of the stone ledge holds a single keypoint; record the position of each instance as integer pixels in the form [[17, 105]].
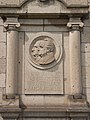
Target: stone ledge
[[66, 112], [77, 101], [10, 113], [14, 113]]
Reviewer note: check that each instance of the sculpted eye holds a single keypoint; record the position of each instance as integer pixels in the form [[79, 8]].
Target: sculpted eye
[[35, 46], [41, 46], [32, 50]]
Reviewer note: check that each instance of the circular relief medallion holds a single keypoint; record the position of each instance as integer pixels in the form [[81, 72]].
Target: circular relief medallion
[[44, 52]]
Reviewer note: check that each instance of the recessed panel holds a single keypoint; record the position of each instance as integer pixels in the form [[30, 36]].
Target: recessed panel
[[43, 63]]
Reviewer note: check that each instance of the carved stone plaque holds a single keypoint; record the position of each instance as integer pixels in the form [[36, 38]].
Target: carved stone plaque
[[43, 63], [44, 53]]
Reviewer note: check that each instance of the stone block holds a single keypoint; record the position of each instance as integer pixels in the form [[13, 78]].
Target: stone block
[[77, 3], [85, 35], [85, 71], [45, 118], [1, 22], [86, 59], [2, 80], [86, 81], [85, 47], [87, 92], [2, 50], [2, 65], [87, 21], [54, 28], [31, 21], [55, 101], [31, 28], [2, 35], [5, 2], [79, 118], [55, 21], [33, 100]]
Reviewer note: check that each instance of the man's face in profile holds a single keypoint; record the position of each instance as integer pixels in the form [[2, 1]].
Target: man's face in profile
[[42, 47]]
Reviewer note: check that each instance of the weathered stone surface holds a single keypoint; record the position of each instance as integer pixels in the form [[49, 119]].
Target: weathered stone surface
[[48, 119], [66, 62], [68, 3], [2, 80], [32, 22], [87, 22], [86, 81], [12, 2], [44, 86], [52, 80], [55, 21], [2, 66], [2, 50], [77, 3], [85, 47], [31, 28], [1, 117], [85, 36], [85, 71], [86, 59], [2, 35]]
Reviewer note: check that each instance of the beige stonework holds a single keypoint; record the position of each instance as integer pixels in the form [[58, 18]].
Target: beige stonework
[[45, 59]]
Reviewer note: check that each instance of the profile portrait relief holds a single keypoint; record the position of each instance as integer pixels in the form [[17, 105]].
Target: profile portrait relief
[[43, 51]]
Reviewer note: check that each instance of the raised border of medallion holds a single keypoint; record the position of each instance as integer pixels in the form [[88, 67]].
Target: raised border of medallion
[[58, 54]]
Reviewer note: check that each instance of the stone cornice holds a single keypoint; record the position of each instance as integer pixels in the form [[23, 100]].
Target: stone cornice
[[68, 4]]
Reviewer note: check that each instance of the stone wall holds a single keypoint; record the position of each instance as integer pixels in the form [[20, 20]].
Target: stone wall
[[41, 100], [2, 60]]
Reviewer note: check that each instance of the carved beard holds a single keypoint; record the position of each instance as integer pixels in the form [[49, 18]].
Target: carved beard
[[46, 59]]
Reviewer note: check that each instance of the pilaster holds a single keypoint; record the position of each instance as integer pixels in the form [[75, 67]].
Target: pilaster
[[12, 26], [75, 25]]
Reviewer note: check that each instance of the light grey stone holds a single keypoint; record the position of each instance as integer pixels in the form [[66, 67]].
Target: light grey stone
[[87, 90], [85, 71], [85, 36], [55, 21], [12, 2], [38, 9], [32, 22], [58, 80], [31, 28], [79, 118], [1, 22], [1, 117], [86, 59], [21, 63], [2, 80], [66, 58], [2, 34], [77, 3], [86, 81], [46, 119], [2, 65], [55, 28], [85, 47], [52, 80], [2, 50]]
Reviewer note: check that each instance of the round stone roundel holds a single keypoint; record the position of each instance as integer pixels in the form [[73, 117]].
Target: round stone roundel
[[44, 52]]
